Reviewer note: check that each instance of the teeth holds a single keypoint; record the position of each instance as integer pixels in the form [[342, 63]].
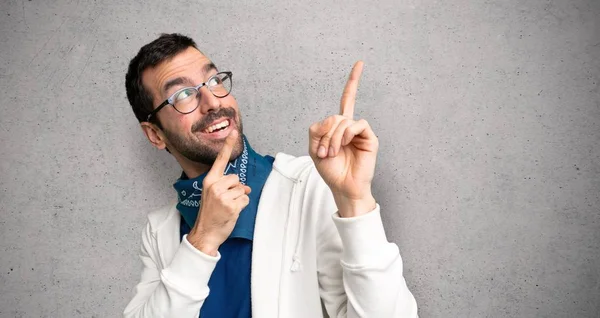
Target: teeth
[[222, 124]]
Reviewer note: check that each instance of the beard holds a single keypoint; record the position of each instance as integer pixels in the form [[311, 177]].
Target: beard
[[206, 151]]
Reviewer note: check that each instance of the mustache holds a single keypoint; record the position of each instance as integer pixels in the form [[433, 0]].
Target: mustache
[[203, 123]]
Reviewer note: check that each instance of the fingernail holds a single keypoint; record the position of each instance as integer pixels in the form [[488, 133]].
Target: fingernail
[[322, 152], [331, 152]]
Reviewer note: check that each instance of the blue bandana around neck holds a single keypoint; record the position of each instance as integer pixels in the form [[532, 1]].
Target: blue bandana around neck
[[252, 169]]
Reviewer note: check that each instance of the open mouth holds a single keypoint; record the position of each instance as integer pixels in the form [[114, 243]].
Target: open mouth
[[220, 126]]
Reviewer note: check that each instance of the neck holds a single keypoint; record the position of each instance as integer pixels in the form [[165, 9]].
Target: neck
[[192, 169]]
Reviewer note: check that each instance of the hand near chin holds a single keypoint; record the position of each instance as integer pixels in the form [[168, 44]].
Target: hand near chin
[[344, 151], [223, 198]]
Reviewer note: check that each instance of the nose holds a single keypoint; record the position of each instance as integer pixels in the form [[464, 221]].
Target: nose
[[208, 101]]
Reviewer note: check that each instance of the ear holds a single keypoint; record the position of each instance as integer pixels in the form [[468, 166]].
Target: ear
[[154, 135]]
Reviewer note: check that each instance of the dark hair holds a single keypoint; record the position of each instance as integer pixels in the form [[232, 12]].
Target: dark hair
[[162, 49]]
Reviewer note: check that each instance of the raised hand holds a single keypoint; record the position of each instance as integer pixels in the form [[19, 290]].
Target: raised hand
[[223, 198], [345, 152]]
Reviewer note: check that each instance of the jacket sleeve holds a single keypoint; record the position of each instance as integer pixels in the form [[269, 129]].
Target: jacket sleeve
[[179, 290], [360, 272]]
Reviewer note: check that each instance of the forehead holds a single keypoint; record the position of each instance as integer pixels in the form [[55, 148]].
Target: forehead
[[189, 63]]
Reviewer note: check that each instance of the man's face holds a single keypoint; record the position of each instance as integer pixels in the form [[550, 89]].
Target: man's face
[[188, 134]]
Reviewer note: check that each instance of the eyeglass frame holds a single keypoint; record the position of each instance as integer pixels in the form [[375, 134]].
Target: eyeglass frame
[[169, 101]]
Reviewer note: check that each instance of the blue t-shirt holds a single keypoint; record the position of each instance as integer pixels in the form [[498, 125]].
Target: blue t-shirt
[[229, 283]]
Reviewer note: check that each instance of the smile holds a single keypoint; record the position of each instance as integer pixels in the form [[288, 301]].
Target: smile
[[222, 125]]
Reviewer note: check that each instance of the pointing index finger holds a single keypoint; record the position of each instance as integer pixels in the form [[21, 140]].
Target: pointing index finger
[[218, 168], [349, 95]]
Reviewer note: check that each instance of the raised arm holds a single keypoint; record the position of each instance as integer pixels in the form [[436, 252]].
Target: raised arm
[[360, 272]]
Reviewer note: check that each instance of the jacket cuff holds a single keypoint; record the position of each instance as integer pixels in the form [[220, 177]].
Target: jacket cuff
[[363, 238], [190, 270]]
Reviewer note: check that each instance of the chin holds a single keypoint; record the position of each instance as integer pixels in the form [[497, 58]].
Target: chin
[[235, 152]]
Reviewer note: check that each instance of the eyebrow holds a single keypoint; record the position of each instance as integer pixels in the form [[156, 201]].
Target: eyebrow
[[176, 81], [209, 67], [182, 80]]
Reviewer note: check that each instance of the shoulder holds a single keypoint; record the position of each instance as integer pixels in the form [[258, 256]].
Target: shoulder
[[291, 167]]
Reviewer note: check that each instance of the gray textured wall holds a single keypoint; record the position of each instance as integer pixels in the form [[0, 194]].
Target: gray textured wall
[[487, 113]]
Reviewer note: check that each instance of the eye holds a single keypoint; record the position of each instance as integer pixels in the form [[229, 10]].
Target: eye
[[184, 94], [214, 81]]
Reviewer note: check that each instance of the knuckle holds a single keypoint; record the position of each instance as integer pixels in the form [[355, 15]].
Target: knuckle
[[347, 122], [208, 188], [228, 178], [245, 199], [375, 142], [219, 196], [239, 188], [232, 209], [330, 120]]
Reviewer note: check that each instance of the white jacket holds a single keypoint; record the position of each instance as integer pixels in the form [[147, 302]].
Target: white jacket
[[305, 262]]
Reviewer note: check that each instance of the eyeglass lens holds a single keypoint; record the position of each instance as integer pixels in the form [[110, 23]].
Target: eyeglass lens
[[188, 99]]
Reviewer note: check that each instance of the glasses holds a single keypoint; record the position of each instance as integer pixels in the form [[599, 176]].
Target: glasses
[[187, 99]]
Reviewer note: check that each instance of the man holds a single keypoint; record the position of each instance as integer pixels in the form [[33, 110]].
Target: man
[[254, 235]]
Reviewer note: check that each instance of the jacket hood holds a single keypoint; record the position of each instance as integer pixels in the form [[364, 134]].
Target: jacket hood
[[291, 167]]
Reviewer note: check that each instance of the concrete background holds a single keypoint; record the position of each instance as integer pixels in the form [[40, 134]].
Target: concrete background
[[488, 115]]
